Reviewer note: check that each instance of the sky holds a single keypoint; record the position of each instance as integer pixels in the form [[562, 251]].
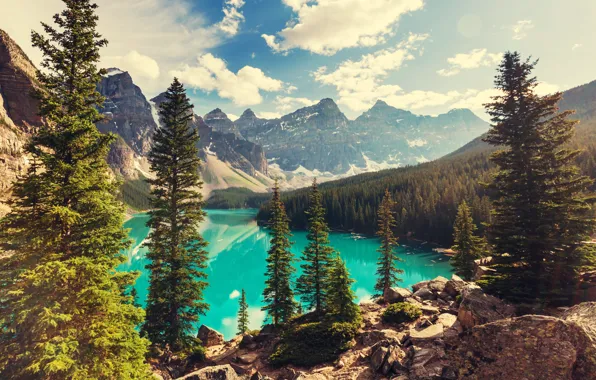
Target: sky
[[275, 56]]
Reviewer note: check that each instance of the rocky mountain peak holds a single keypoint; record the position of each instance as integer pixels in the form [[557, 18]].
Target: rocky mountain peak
[[220, 122], [248, 114]]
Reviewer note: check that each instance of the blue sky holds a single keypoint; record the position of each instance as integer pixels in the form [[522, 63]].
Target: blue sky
[[274, 56]]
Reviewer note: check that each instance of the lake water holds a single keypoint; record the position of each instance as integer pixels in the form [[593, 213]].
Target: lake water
[[237, 251]]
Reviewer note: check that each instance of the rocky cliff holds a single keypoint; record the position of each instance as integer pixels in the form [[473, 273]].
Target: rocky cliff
[[18, 112]]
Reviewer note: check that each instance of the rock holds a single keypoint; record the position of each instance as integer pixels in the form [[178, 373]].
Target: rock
[[427, 334], [413, 301], [444, 297], [437, 285], [394, 361], [419, 285], [248, 358], [219, 372], [209, 336], [429, 310], [428, 363], [425, 293], [584, 315], [370, 338], [454, 286], [310, 376], [477, 308], [377, 359], [396, 294], [247, 341], [528, 347], [447, 320]]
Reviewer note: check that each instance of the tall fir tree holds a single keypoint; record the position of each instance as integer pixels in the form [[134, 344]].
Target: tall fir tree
[[64, 310], [387, 270], [317, 256], [339, 293], [176, 247], [242, 314], [278, 295], [542, 211], [467, 246]]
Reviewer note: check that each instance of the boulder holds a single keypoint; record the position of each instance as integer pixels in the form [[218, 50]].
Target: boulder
[[446, 320], [247, 341], [396, 294], [209, 336], [425, 293], [370, 338], [437, 285], [429, 309], [377, 359], [454, 286], [528, 347], [248, 358], [428, 363], [477, 308], [419, 285], [427, 334], [394, 361], [218, 372]]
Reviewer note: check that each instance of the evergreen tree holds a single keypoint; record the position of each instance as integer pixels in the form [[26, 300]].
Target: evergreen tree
[[311, 285], [243, 314], [541, 208], [339, 293], [278, 295], [176, 247], [387, 264], [468, 247], [64, 312]]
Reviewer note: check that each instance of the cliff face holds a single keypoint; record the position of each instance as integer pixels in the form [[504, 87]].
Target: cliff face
[[18, 112]]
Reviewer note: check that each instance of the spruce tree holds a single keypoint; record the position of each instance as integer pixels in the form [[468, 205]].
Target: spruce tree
[[278, 295], [387, 270], [242, 314], [176, 247], [467, 246], [64, 312], [339, 293], [311, 286], [542, 211]]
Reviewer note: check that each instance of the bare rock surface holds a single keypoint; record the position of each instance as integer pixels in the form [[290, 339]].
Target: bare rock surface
[[209, 336], [477, 308], [219, 372]]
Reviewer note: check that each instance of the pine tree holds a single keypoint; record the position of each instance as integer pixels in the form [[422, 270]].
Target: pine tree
[[243, 314], [278, 295], [386, 265], [64, 312], [541, 207], [311, 285], [176, 247], [339, 293], [468, 247]]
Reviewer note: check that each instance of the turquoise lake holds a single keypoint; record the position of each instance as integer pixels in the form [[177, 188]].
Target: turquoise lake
[[237, 250]]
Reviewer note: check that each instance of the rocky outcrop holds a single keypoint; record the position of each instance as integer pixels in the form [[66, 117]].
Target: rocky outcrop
[[209, 337], [220, 122], [478, 308], [396, 294]]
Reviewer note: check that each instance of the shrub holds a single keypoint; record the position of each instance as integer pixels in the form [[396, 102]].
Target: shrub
[[401, 312], [313, 343]]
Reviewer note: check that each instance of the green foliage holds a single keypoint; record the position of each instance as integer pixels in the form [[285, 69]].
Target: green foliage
[[313, 343], [235, 197], [401, 312], [135, 193], [340, 297], [64, 312], [317, 256], [542, 210], [387, 270], [243, 314], [278, 295], [176, 247], [468, 247]]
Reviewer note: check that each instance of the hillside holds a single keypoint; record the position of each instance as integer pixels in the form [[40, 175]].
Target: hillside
[[428, 195]]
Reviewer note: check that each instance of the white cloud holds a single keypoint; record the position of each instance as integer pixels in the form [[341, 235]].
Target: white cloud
[[138, 65], [543, 88], [232, 17], [288, 103], [235, 293], [474, 59], [167, 31], [327, 26], [269, 115], [243, 88], [576, 46], [416, 143], [359, 83], [521, 28]]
